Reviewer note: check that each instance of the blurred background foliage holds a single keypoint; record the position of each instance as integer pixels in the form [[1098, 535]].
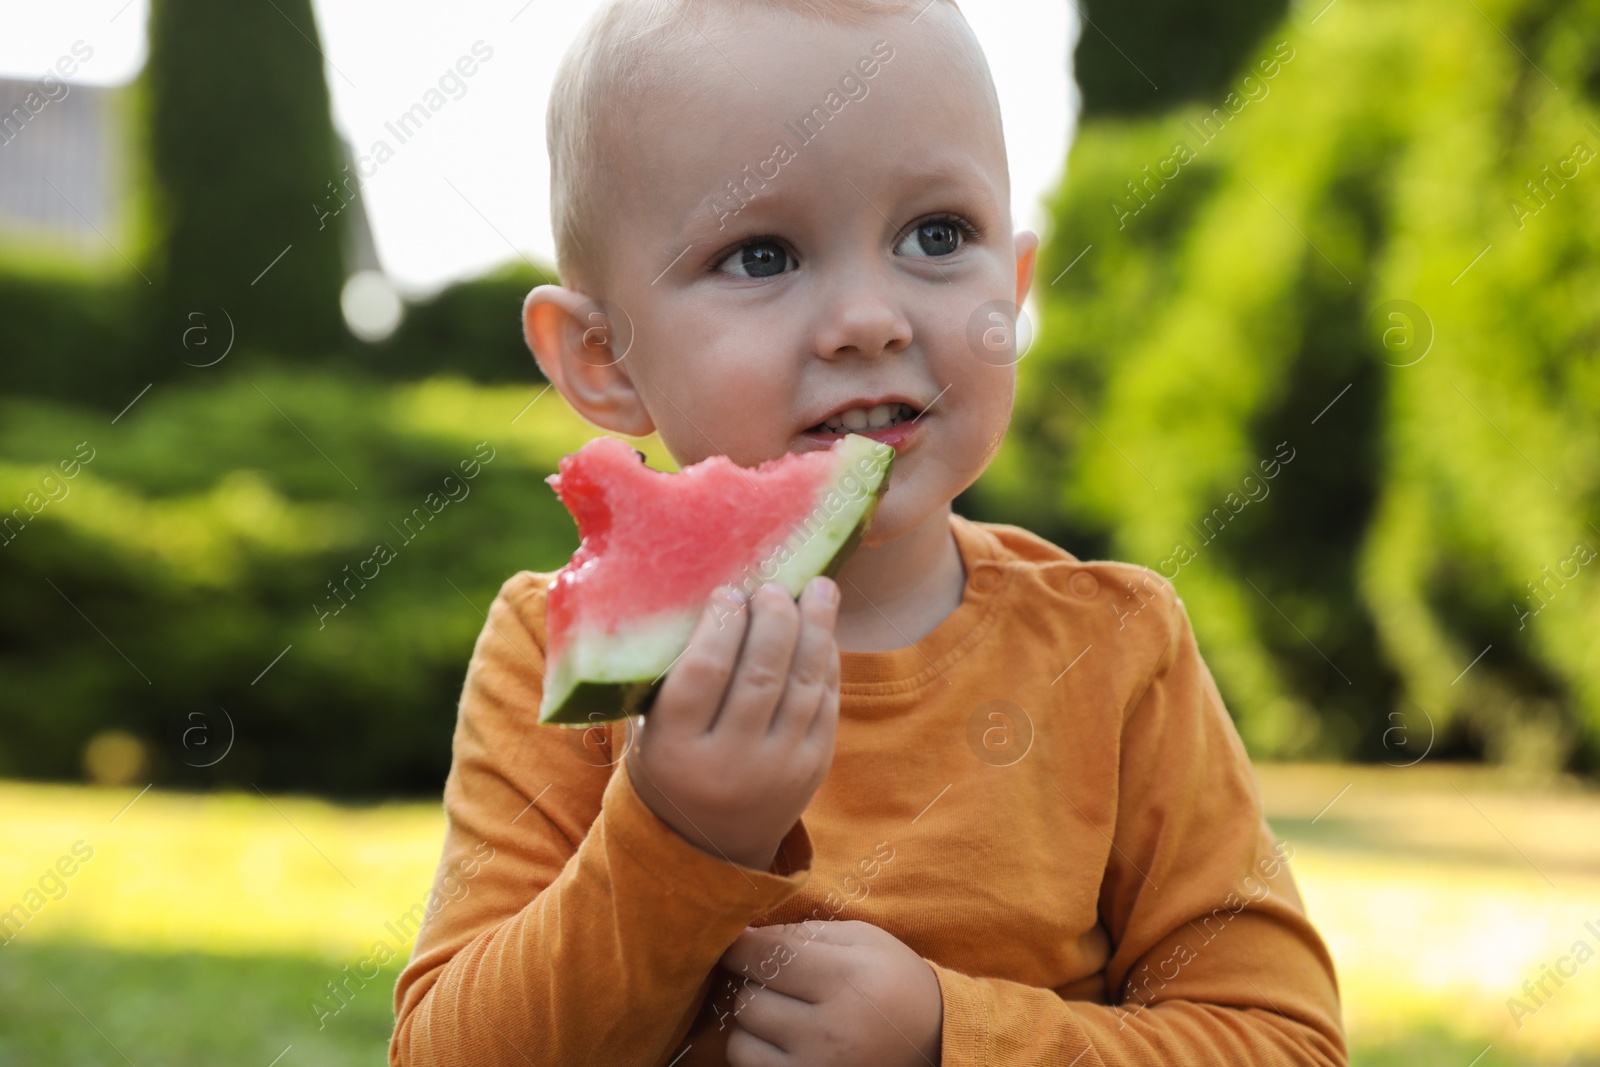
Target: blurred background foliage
[[1364, 236], [227, 195], [1331, 365]]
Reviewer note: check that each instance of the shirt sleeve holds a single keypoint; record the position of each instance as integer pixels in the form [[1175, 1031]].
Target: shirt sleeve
[[1214, 959], [567, 923]]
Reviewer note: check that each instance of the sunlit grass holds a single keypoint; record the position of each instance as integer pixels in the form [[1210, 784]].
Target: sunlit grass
[[1438, 890], [233, 873]]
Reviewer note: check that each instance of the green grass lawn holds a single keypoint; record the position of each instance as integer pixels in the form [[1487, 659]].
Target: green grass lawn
[[202, 929], [84, 1004]]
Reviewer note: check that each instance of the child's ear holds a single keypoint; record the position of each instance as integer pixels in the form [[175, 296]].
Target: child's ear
[[1027, 250], [577, 348]]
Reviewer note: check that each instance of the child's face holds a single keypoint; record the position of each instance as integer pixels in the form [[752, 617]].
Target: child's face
[[842, 273]]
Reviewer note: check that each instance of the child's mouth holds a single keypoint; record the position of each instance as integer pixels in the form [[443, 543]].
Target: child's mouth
[[865, 420], [897, 425]]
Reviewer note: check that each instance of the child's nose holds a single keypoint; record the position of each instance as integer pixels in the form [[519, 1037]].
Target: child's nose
[[860, 316]]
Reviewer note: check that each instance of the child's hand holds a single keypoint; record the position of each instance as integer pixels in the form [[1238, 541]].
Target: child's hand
[[739, 739], [840, 994]]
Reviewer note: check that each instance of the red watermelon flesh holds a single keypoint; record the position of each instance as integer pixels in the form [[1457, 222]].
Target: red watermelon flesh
[[654, 545]]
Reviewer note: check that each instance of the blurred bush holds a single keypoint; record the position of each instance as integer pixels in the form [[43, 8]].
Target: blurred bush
[[1136, 59], [241, 151], [472, 328], [1374, 247], [200, 469], [361, 525], [69, 333]]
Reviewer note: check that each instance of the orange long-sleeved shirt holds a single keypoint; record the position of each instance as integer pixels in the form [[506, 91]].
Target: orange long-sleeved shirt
[[1044, 798]]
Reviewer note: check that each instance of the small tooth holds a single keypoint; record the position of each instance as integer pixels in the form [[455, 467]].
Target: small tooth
[[833, 423], [879, 416], [854, 419]]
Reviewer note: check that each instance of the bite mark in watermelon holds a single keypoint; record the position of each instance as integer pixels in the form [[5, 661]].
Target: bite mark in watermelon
[[653, 546]]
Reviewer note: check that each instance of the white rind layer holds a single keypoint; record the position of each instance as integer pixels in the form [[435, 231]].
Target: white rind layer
[[632, 654], [639, 654]]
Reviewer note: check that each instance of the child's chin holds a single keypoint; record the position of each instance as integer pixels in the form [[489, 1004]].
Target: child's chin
[[891, 522]]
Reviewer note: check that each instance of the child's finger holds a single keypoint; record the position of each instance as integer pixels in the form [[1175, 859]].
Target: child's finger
[[745, 1049], [788, 961], [826, 721], [696, 683], [778, 1019], [808, 674], [763, 666]]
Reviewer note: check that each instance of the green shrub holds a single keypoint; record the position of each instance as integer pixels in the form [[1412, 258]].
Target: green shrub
[[73, 335], [471, 328], [1282, 286], [219, 523], [1139, 59], [241, 150]]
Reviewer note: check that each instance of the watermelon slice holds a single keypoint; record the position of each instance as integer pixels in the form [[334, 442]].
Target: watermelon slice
[[653, 546]]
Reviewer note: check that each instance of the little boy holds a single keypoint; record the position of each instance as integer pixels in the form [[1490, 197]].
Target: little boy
[[979, 802]]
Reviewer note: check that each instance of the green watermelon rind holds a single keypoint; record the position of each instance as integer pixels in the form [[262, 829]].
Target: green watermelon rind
[[635, 663]]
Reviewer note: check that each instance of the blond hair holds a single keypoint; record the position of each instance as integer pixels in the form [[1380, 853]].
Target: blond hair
[[628, 50]]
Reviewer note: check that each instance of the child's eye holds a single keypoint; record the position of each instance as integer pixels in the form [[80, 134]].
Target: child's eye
[[936, 237], [758, 259]]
